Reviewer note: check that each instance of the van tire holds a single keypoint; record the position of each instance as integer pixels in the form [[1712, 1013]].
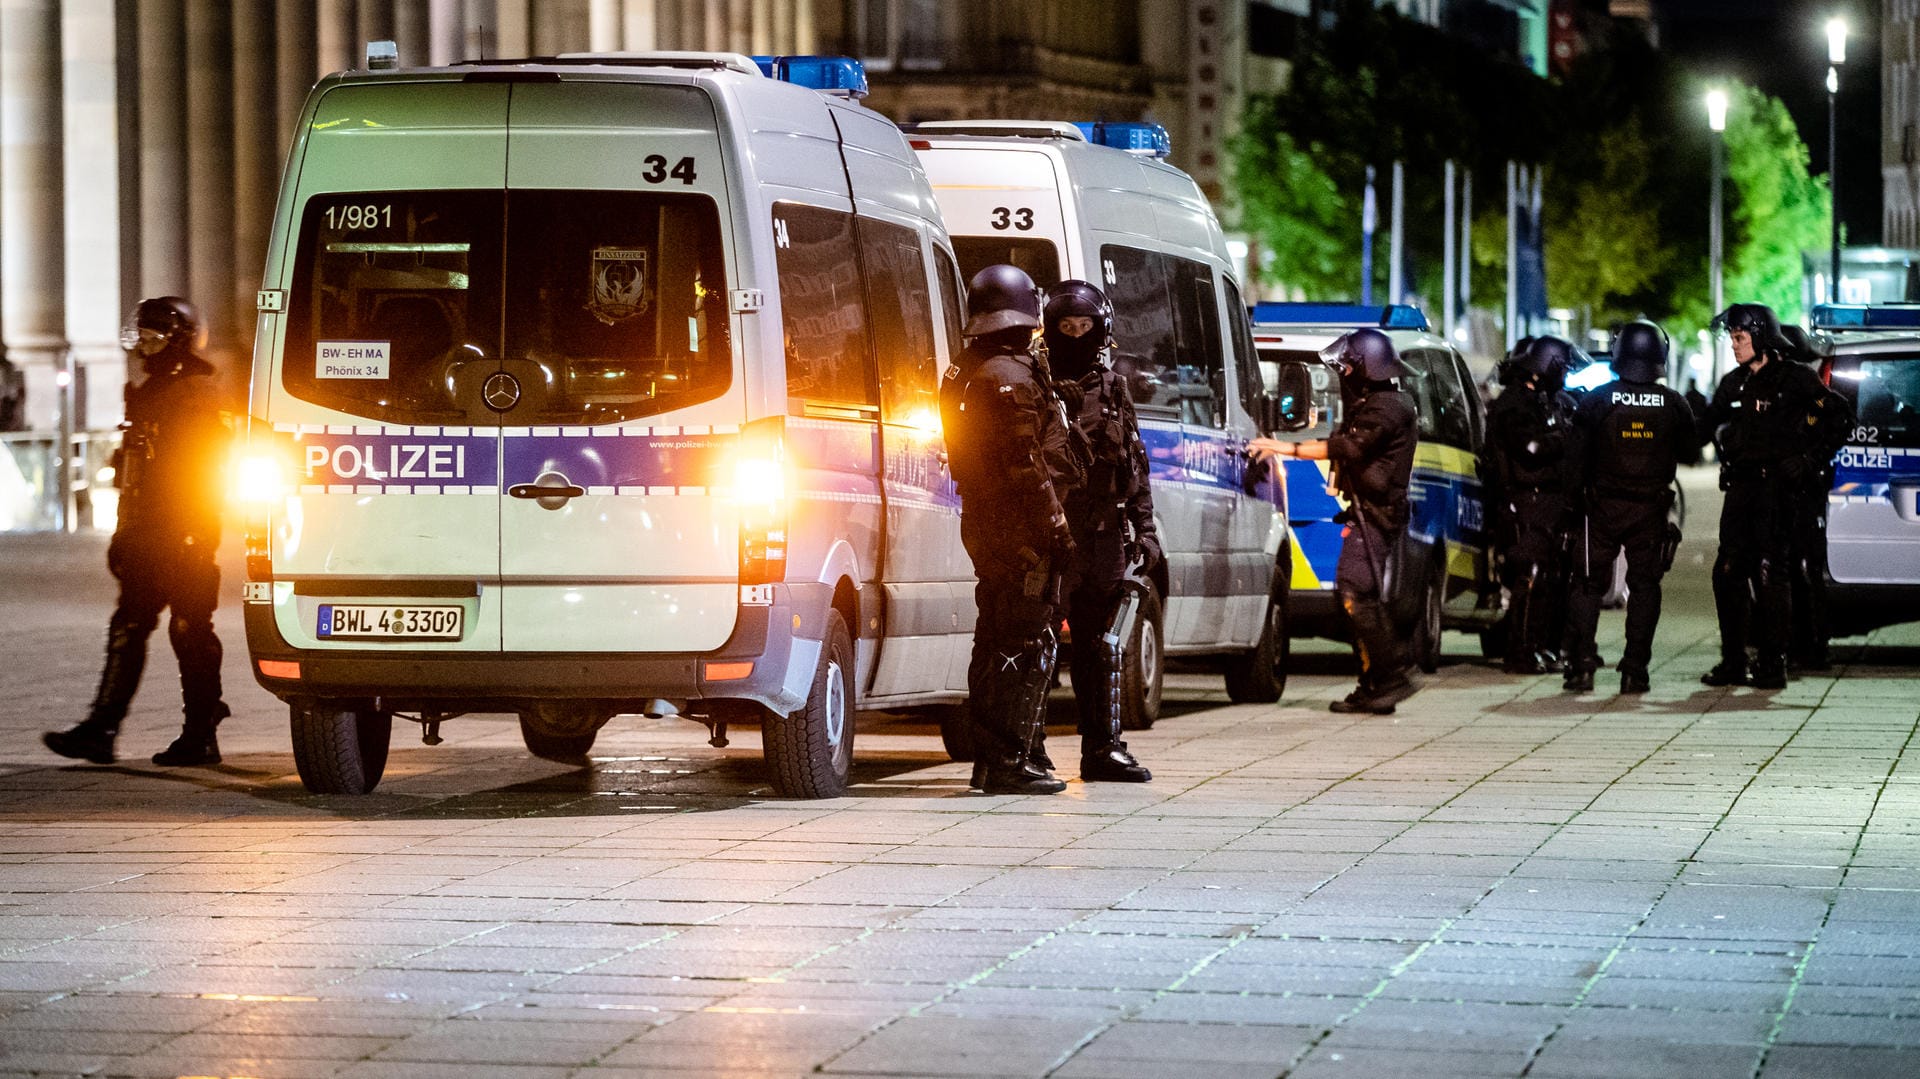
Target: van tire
[[810, 753], [1260, 676], [559, 748], [340, 749], [1146, 667], [956, 731], [1429, 627]]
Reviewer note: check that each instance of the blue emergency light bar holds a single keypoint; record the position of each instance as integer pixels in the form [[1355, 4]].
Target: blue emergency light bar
[[841, 75], [1150, 140], [1393, 316], [1860, 316]]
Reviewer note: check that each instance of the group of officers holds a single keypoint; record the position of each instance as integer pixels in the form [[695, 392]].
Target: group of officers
[[1057, 514], [1570, 483]]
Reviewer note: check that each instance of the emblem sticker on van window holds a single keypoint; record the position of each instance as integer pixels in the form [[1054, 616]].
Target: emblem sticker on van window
[[352, 359], [619, 284]]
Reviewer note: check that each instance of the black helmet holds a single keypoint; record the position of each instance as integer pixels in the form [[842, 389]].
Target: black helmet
[[160, 323], [999, 298], [1758, 321], [1808, 348], [1073, 355], [1640, 351], [1548, 360], [1508, 369], [1368, 353]]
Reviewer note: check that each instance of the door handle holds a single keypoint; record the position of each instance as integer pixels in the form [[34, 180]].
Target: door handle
[[539, 493]]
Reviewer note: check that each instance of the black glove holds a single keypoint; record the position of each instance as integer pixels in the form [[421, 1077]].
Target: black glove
[[1144, 551]]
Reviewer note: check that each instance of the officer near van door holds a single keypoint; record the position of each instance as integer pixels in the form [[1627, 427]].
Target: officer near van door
[[1111, 517], [171, 468], [1526, 466], [1372, 455], [1761, 421], [1807, 645], [1007, 441], [1633, 433]]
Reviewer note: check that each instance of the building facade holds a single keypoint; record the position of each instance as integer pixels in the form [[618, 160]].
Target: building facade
[[1899, 112]]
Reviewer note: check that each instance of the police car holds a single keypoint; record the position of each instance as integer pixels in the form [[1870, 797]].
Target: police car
[[596, 385], [1458, 587], [1098, 202], [1873, 509]]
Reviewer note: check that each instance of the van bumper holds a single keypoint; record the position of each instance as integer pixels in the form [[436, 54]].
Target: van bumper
[[781, 640], [1853, 609]]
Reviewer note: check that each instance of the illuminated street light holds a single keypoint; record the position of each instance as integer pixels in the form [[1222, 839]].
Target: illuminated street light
[[1836, 55], [1717, 109], [1836, 40]]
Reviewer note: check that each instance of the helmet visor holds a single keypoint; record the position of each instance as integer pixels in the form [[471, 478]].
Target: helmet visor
[[1335, 354], [143, 340]]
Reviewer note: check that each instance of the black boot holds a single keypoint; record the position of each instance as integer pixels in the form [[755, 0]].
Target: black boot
[[1769, 672], [1632, 681], [196, 745], [1103, 756], [1018, 700], [1578, 681], [92, 739], [1384, 678], [1725, 673], [86, 742]]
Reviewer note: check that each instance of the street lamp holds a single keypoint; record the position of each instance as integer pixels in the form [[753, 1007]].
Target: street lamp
[[1836, 56], [1717, 120]]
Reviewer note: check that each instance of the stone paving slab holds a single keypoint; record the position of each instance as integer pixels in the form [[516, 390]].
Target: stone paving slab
[[1501, 880]]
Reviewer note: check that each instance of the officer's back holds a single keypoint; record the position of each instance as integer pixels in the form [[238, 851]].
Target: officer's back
[[1636, 433]]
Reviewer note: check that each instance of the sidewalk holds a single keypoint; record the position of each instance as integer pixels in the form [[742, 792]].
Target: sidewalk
[[1501, 880]]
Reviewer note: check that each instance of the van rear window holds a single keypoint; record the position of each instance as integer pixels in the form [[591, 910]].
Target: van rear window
[[1039, 258], [605, 306]]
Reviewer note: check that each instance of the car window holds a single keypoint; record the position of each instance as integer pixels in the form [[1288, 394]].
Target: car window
[[1885, 391], [951, 291], [1246, 356], [1445, 412], [1166, 332], [823, 309], [900, 310], [1038, 257]]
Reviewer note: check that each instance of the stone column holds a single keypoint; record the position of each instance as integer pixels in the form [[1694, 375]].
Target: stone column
[[295, 59], [638, 31], [513, 32], [560, 26], [739, 26], [256, 163], [410, 33], [781, 28], [760, 38], [338, 22], [210, 208], [713, 35], [90, 126], [480, 25], [803, 37], [446, 32], [603, 25], [163, 149]]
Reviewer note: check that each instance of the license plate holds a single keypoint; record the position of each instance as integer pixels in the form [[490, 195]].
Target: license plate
[[367, 622]]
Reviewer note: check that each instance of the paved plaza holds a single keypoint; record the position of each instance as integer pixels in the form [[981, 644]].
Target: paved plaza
[[1499, 881]]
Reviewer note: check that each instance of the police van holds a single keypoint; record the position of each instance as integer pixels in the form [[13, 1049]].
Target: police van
[[603, 384], [1098, 202], [1873, 508], [1457, 583]]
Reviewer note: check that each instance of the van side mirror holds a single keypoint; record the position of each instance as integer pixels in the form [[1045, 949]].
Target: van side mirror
[[1288, 406]]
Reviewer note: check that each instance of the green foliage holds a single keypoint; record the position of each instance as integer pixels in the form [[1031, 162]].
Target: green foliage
[[1306, 226], [1778, 211], [1603, 241]]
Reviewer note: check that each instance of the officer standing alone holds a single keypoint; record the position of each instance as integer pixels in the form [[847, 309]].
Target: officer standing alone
[[1372, 454], [1760, 420], [1007, 440], [1527, 468], [1633, 435], [1111, 517], [171, 471]]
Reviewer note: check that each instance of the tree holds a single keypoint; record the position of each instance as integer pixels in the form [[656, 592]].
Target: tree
[[1779, 211], [1603, 241], [1306, 226]]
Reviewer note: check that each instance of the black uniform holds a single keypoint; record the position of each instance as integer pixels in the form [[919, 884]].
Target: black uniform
[[1372, 455], [1527, 467], [1632, 437], [171, 477], [1808, 554], [1008, 444], [1761, 422]]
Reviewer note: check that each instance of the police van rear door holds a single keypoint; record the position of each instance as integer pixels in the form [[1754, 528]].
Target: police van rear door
[[618, 334], [1873, 512], [392, 301], [1001, 204]]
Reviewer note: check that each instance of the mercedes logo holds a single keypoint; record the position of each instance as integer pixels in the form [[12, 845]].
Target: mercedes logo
[[501, 391]]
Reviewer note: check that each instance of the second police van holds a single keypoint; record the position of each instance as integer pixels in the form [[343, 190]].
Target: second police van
[[600, 385], [1458, 582], [1097, 202]]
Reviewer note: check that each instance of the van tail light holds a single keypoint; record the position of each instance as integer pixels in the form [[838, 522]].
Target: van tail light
[[261, 478], [762, 486]]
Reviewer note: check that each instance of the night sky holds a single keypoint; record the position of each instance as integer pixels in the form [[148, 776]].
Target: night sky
[[1781, 47]]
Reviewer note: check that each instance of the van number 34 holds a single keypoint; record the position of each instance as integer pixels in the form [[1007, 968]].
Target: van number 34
[[657, 171]]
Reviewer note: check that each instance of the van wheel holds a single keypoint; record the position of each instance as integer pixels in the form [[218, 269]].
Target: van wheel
[[560, 748], [1427, 630], [1146, 668], [956, 731], [1260, 676], [339, 749], [810, 752]]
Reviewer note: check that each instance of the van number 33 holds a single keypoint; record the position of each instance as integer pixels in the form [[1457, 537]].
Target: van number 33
[[1010, 217], [657, 171]]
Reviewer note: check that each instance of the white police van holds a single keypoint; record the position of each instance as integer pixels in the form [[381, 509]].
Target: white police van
[[1873, 508], [1096, 202], [598, 385]]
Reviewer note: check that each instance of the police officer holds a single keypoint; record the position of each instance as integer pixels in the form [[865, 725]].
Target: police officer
[[1633, 435], [1008, 443], [1111, 517], [1808, 639], [1526, 466], [1760, 420], [1372, 455], [170, 468]]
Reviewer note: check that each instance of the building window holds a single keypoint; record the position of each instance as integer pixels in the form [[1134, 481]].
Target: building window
[[904, 35]]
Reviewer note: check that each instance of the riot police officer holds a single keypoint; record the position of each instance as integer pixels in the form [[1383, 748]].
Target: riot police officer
[[1808, 556], [1008, 443], [1372, 455], [1760, 420], [1526, 467], [170, 468], [1633, 435], [1111, 518]]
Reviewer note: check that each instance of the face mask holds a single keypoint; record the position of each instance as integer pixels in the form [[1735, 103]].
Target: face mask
[[1073, 356]]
